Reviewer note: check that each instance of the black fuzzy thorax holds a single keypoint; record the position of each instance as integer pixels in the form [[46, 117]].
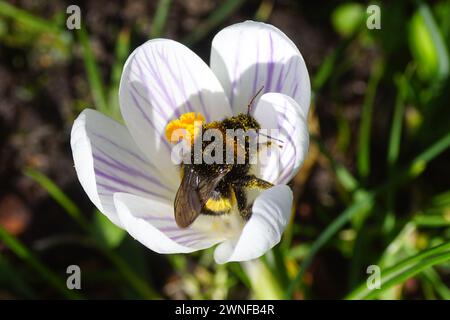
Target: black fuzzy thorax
[[238, 171]]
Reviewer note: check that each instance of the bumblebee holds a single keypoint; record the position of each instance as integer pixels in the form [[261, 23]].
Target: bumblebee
[[218, 188]]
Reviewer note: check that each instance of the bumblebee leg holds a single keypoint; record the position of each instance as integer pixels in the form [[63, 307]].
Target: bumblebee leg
[[254, 182], [251, 182], [246, 213], [241, 197]]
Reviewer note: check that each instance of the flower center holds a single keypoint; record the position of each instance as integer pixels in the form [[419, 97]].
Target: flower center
[[187, 127], [227, 226]]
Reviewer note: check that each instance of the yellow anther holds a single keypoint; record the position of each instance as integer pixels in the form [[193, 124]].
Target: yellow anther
[[187, 127]]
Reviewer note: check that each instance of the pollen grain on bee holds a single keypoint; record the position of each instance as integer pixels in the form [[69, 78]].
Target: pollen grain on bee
[[230, 146]]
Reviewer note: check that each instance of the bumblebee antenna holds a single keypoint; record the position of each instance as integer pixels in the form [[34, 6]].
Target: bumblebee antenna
[[249, 106], [270, 137]]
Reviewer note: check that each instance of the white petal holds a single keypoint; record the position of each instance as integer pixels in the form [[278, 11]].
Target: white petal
[[271, 211], [161, 80], [151, 222], [107, 161], [249, 55], [281, 113]]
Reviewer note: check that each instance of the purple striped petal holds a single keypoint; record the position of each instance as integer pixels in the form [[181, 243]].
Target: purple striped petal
[[280, 112], [249, 55], [163, 79], [108, 161], [150, 221]]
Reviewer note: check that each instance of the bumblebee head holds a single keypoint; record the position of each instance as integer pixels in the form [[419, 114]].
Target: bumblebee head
[[241, 121]]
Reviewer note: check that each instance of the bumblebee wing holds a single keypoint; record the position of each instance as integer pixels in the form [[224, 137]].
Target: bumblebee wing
[[187, 201], [192, 195]]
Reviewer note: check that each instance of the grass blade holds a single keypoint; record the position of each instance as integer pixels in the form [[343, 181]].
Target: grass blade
[[404, 270], [441, 48], [23, 253], [122, 50], [366, 120], [216, 18], [433, 151], [28, 19], [397, 120], [59, 196], [160, 18], [93, 72], [439, 286], [345, 178], [409, 273], [365, 201], [138, 283], [264, 10], [10, 276], [361, 205]]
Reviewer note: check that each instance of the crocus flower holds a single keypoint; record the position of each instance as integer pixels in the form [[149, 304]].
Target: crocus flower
[[127, 171]]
